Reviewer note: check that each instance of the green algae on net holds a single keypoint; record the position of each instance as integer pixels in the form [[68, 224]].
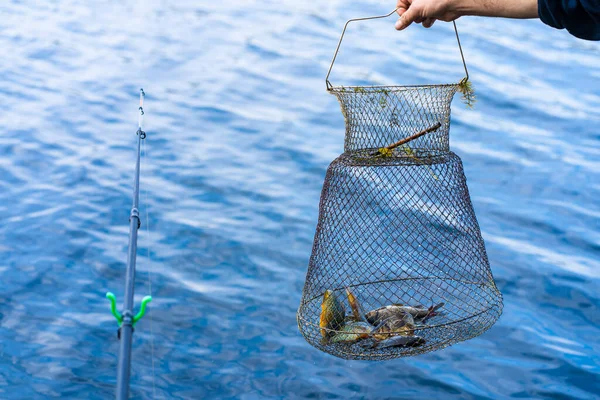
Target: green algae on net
[[468, 93]]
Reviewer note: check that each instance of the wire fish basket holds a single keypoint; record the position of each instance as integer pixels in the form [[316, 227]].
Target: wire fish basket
[[398, 266]]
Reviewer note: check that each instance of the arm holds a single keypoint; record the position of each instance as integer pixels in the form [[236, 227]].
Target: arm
[[427, 11], [580, 17]]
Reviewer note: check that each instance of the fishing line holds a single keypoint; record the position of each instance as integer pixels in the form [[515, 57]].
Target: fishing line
[[150, 267]]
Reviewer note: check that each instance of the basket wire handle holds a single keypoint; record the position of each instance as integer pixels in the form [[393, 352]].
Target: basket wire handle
[[330, 87]]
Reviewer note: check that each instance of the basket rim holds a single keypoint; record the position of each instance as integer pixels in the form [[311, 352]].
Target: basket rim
[[348, 354], [343, 89], [364, 157]]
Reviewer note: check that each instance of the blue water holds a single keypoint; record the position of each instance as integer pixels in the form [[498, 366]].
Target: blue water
[[240, 133]]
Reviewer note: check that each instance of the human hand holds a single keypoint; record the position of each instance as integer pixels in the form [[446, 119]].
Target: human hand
[[425, 12]]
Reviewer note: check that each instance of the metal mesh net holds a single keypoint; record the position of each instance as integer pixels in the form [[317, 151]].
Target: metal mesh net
[[398, 266], [380, 115]]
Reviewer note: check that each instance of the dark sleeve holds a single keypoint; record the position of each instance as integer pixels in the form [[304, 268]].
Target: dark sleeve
[[580, 17]]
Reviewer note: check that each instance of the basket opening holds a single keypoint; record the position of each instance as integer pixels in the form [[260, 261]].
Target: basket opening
[[377, 116]]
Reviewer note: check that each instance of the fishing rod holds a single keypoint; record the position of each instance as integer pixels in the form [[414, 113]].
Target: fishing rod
[[127, 319]]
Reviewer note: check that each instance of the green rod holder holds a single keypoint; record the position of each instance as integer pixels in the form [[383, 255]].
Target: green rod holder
[[142, 312], [113, 308]]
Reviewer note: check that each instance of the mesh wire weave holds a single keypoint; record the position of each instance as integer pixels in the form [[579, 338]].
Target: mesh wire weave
[[399, 229]]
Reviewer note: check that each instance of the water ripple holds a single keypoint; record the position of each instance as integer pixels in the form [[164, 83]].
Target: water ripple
[[240, 132]]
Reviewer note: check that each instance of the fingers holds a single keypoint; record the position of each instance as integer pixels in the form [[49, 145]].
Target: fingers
[[407, 18], [402, 6], [428, 22], [410, 15]]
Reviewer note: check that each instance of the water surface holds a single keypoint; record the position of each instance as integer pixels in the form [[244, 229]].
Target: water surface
[[240, 133]]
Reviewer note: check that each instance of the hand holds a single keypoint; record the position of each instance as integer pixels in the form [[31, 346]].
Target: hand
[[425, 12]]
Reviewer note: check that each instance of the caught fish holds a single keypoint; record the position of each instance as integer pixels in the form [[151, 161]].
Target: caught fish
[[395, 325], [333, 314], [357, 311], [394, 341], [379, 315], [418, 312], [421, 312], [352, 332]]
